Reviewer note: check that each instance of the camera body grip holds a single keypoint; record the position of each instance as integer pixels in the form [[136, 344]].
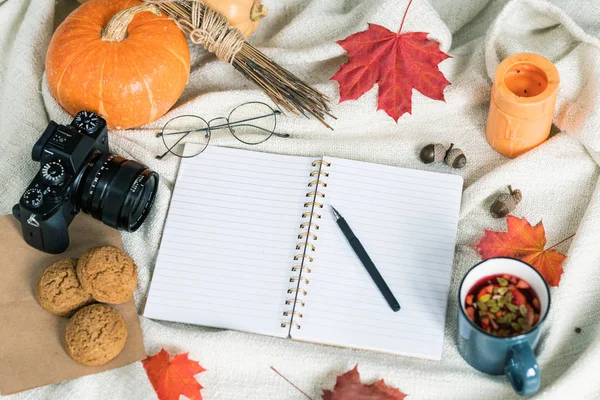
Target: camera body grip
[[50, 235]]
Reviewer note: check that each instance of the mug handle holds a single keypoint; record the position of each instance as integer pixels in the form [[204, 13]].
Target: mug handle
[[522, 370]]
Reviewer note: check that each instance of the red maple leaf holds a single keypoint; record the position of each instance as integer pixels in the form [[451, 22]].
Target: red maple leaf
[[173, 378], [526, 243], [397, 62], [349, 387]]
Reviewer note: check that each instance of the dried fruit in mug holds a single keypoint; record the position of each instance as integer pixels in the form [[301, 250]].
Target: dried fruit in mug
[[503, 305]]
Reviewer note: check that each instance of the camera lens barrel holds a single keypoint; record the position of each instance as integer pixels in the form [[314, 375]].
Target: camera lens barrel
[[117, 191]]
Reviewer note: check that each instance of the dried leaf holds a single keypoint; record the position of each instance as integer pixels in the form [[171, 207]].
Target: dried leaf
[[349, 387], [397, 62], [173, 378], [526, 243]]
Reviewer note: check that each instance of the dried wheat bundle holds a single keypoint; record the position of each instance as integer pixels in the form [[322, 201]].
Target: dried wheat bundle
[[212, 30]]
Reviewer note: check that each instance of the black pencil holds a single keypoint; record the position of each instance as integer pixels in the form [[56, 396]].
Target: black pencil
[[365, 259]]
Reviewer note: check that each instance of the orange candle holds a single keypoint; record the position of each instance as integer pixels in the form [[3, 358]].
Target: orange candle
[[522, 106]]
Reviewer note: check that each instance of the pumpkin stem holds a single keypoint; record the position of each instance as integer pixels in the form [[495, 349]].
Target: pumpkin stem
[[258, 10], [116, 29]]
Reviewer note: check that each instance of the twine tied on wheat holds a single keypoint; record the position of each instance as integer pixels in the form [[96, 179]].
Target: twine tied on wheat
[[210, 29]]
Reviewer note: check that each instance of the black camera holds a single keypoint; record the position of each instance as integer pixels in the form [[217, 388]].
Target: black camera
[[78, 173]]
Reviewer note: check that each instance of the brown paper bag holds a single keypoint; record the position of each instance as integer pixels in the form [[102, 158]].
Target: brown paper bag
[[31, 349]]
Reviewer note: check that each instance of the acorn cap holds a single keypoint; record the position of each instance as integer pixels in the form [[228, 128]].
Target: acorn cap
[[455, 158], [506, 203], [440, 152]]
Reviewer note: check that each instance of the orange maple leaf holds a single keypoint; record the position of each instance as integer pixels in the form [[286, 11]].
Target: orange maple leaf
[[348, 387], [172, 378], [526, 243]]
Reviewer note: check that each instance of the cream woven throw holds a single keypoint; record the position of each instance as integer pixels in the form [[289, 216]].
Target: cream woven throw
[[558, 180]]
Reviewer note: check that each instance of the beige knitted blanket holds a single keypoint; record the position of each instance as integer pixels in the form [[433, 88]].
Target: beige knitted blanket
[[558, 180]]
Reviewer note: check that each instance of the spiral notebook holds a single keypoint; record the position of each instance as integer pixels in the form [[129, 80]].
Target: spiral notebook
[[249, 244]]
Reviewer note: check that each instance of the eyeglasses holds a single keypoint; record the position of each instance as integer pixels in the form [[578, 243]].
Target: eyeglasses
[[251, 123]]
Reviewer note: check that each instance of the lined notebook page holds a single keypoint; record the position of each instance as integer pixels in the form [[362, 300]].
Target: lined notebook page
[[407, 221], [229, 241]]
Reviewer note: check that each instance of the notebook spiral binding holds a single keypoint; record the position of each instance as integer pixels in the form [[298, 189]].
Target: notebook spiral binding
[[307, 237]]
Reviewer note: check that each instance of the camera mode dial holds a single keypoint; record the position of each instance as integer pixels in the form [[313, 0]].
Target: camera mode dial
[[33, 197], [86, 121], [53, 173]]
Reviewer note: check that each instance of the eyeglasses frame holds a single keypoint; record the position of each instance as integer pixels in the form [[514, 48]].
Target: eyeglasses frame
[[228, 124]]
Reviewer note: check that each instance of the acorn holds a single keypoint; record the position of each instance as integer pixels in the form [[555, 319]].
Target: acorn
[[434, 152], [455, 157], [506, 203]]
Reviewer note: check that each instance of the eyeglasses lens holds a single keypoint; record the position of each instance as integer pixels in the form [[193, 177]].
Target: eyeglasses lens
[[186, 136]]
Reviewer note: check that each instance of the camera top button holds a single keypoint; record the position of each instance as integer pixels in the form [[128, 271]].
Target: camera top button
[[33, 197], [53, 193], [53, 173], [87, 121]]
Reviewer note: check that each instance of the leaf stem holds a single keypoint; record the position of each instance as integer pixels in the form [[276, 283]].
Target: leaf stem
[[562, 241], [404, 17], [290, 382]]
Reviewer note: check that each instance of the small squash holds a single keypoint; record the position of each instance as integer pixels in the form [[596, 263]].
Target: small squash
[[244, 15], [128, 66]]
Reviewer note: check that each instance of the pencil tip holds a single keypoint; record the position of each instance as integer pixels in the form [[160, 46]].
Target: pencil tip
[[335, 213]]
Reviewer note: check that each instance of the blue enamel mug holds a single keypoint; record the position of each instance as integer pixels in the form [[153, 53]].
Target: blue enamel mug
[[512, 356]]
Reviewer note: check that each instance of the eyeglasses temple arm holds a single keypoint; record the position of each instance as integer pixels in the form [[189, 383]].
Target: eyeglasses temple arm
[[171, 148], [270, 132], [160, 134]]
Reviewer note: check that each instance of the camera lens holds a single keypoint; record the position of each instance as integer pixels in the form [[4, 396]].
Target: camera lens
[[116, 191]]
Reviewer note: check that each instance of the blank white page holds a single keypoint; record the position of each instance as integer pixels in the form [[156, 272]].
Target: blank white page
[[229, 241], [407, 221]]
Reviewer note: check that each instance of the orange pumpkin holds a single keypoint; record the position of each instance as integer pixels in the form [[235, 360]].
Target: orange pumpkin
[[244, 15], [131, 71]]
